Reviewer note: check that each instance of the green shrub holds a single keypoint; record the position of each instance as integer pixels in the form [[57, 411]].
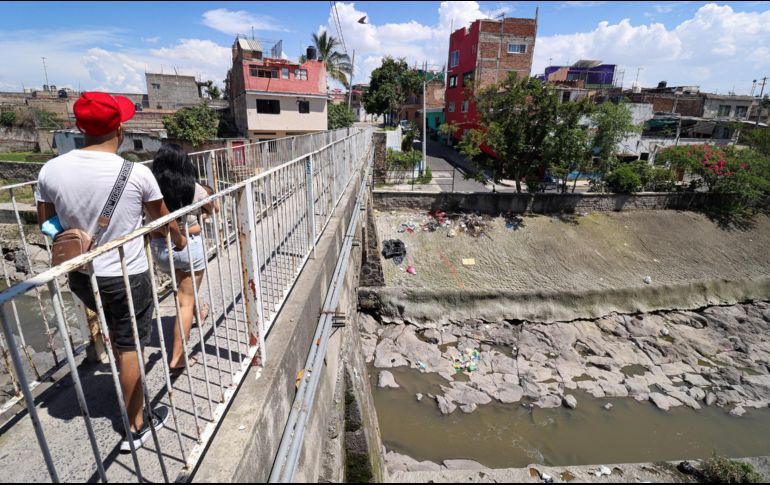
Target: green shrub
[[659, 179], [426, 177], [402, 160], [8, 118], [624, 180], [721, 470], [339, 116], [408, 136]]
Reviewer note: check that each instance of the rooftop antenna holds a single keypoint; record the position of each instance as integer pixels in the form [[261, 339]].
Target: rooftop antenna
[[252, 32], [45, 71]]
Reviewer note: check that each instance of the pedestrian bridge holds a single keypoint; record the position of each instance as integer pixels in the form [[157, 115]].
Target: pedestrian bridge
[[65, 422]]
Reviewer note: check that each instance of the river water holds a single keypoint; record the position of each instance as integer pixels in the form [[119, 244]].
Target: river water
[[30, 318], [511, 436]]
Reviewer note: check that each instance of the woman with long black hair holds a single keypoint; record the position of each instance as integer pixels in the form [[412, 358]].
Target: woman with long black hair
[[177, 180]]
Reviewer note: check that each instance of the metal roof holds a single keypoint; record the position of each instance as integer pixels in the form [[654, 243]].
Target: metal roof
[[586, 64], [250, 44]]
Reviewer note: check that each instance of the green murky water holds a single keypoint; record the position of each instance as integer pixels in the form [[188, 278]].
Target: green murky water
[[501, 436]]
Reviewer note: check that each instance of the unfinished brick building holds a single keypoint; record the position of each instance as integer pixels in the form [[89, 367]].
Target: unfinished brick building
[[486, 51]]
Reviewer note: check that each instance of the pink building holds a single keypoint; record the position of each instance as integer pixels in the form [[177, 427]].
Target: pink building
[[272, 97]]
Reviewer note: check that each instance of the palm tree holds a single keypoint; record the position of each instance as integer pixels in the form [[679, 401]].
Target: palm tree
[[337, 65]]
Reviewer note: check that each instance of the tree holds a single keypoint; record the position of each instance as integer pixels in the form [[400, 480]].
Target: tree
[[612, 123], [337, 64], [195, 125], [569, 150], [518, 119], [388, 87], [339, 116], [759, 140]]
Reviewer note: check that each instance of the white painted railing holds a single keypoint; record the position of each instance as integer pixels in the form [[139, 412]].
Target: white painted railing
[[270, 215]]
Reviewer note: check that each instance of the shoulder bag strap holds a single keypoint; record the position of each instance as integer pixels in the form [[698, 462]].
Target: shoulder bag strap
[[112, 201]]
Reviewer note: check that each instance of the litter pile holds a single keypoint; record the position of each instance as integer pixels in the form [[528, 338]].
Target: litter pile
[[436, 219], [474, 225], [514, 221], [468, 361], [394, 249]]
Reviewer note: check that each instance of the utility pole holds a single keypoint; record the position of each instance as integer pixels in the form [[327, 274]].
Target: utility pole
[[636, 82], [424, 118], [350, 88], [45, 71], [761, 92]]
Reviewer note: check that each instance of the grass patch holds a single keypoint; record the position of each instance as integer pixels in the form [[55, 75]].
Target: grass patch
[[14, 156], [721, 470], [23, 195]]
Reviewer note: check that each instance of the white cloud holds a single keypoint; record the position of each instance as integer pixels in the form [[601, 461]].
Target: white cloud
[[716, 48], [150, 40], [583, 4], [90, 60], [238, 22]]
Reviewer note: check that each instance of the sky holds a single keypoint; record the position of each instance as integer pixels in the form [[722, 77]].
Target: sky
[[720, 46]]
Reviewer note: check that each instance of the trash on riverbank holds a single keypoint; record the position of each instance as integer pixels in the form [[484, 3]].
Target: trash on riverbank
[[394, 249], [468, 361], [514, 222]]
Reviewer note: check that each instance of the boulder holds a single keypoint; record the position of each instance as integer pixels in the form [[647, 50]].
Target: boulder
[[696, 380], [697, 393], [550, 401], [685, 399], [445, 406], [387, 355], [463, 465], [387, 381], [570, 401], [614, 390], [368, 324], [664, 402]]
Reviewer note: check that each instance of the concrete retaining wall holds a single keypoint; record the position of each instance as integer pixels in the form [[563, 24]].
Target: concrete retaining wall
[[496, 203], [17, 140], [247, 441]]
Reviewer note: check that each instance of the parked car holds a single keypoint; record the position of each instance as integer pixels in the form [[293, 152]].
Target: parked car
[[404, 124]]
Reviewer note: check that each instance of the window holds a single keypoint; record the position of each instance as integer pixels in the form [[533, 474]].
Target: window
[[269, 106], [645, 156], [565, 97], [464, 106], [304, 106], [724, 110], [253, 70], [270, 73], [741, 111], [155, 86], [138, 145], [467, 79], [454, 59], [451, 107], [300, 74], [452, 81], [284, 73], [517, 48]]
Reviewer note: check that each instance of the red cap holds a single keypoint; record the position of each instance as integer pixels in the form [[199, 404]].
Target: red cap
[[97, 114]]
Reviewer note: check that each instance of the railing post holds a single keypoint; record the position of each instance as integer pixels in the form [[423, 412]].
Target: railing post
[[310, 200], [212, 177], [250, 268]]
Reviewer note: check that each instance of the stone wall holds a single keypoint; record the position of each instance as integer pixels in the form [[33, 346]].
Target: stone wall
[[20, 171], [17, 140], [496, 203]]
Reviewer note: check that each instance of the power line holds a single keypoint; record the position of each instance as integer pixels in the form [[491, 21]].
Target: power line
[[338, 25]]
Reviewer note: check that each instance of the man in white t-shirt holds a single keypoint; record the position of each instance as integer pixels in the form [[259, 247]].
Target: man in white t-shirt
[[75, 187]]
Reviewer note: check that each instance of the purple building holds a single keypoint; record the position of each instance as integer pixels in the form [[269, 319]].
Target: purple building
[[590, 74]]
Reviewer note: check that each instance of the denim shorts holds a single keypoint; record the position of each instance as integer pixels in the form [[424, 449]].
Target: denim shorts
[[181, 258]]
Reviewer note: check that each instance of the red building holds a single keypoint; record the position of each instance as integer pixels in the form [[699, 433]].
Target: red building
[[272, 97], [486, 51]]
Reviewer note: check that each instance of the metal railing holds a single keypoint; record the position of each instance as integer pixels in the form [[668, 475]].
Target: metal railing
[[219, 168], [257, 241], [441, 180]]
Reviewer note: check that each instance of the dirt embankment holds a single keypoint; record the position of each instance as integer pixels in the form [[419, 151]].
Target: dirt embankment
[[562, 269]]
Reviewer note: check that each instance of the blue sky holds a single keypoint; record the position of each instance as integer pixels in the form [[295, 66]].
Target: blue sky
[[102, 45]]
